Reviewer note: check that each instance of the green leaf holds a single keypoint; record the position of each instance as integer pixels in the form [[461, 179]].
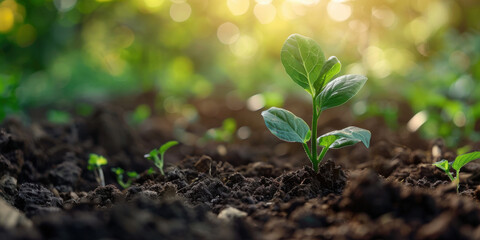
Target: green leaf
[[96, 160], [166, 146], [118, 171], [444, 165], [132, 174], [331, 68], [286, 126], [303, 59], [461, 160], [340, 90], [345, 137]]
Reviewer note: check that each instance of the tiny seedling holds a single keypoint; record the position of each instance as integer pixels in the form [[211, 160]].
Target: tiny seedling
[[457, 164], [95, 163], [153, 155], [305, 63], [225, 133], [119, 172]]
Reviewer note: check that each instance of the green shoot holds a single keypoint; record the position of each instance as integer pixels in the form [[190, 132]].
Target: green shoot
[[131, 175], [158, 161], [140, 114], [225, 133], [457, 164], [95, 163], [305, 63]]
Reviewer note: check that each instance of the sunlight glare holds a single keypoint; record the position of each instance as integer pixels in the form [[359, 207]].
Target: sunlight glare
[[238, 7], [228, 33], [180, 12], [245, 47], [339, 11], [265, 13]]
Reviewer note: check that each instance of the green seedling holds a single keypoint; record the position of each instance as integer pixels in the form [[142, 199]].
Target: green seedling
[[141, 113], [153, 155], [95, 163], [225, 133], [305, 63], [131, 175], [457, 164]]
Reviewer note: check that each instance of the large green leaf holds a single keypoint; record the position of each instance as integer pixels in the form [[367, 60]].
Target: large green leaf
[[345, 137], [340, 90], [331, 68], [286, 126], [303, 60], [461, 160]]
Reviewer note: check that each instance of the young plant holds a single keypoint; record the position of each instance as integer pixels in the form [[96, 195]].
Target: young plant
[[119, 172], [95, 163], [457, 164], [153, 155], [225, 133], [305, 63]]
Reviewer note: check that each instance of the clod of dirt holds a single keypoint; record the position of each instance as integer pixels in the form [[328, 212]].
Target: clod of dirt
[[10, 217], [204, 164], [306, 183], [439, 228], [111, 131], [35, 199], [261, 169], [230, 213], [366, 193], [105, 196], [65, 174], [8, 188]]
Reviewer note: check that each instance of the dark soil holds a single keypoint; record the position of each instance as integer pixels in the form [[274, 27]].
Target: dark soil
[[256, 187]]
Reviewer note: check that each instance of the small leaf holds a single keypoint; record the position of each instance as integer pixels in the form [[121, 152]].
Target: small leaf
[[331, 68], [166, 146], [303, 59], [97, 160], [461, 160], [286, 126], [132, 174], [118, 171], [444, 165], [340, 90], [345, 137]]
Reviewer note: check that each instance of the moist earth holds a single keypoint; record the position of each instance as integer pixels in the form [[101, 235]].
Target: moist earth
[[253, 188]]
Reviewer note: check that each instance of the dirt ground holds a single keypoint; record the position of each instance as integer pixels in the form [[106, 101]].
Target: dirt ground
[[255, 187]]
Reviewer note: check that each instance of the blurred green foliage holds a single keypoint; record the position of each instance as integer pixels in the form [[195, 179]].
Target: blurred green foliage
[[424, 52], [225, 133]]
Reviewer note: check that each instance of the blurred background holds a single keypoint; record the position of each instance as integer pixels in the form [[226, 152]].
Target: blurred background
[[420, 55]]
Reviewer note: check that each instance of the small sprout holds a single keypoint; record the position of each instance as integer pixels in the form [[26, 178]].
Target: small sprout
[[305, 62], [95, 163], [150, 171], [119, 172], [225, 133], [153, 155], [457, 164], [140, 114], [59, 117]]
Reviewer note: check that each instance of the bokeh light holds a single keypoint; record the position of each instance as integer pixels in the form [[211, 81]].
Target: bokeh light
[[6, 19], [180, 12], [228, 33], [265, 13], [339, 11], [238, 7]]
